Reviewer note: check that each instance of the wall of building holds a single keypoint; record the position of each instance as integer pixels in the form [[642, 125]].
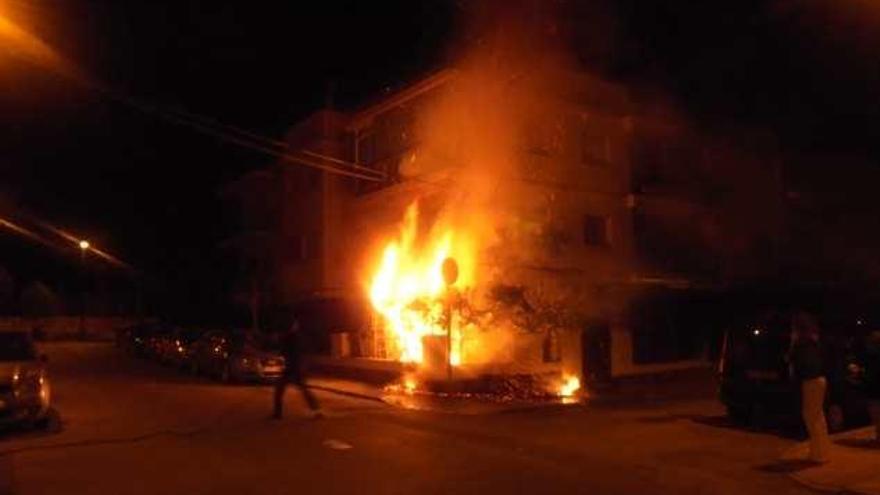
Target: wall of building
[[312, 210], [623, 363], [572, 206]]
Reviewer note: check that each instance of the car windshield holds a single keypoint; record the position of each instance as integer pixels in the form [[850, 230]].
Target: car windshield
[[761, 344], [190, 335], [16, 346]]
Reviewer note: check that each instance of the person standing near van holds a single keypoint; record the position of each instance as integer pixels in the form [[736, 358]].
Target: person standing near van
[[808, 368], [872, 380]]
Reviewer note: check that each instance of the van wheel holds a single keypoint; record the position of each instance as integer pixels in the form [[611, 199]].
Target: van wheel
[[835, 418], [42, 423], [49, 422], [740, 414]]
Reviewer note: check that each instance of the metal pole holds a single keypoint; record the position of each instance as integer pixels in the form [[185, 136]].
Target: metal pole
[[450, 275], [448, 335], [82, 302]]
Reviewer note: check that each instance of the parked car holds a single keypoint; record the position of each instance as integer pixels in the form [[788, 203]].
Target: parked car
[[233, 356], [157, 338], [162, 344], [24, 382], [136, 339], [755, 376], [177, 347]]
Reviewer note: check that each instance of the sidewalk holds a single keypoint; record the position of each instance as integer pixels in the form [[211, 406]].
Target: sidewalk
[[657, 389], [350, 388], [654, 390], [467, 405], [854, 466]]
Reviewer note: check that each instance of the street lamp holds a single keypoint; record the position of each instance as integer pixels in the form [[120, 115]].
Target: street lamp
[[83, 248]]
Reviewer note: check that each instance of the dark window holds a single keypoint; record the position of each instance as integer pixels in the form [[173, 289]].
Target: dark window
[[16, 346], [312, 246], [595, 146], [648, 163], [595, 230], [367, 149], [669, 327], [551, 351], [314, 176], [400, 130], [304, 247], [538, 138]]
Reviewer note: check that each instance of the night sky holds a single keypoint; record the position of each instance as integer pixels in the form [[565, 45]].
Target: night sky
[[146, 190]]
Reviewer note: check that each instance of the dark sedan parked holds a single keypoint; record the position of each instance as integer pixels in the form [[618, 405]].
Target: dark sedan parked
[[233, 356], [158, 339], [136, 339], [176, 348], [24, 381]]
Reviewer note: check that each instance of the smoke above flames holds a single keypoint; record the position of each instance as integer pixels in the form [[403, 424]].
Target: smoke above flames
[[473, 139], [474, 134]]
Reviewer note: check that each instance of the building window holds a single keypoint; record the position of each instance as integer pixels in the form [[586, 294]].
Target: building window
[[366, 149], [543, 136], [314, 178], [536, 139], [400, 130], [596, 230], [669, 326], [551, 351], [314, 245], [303, 247], [595, 146]]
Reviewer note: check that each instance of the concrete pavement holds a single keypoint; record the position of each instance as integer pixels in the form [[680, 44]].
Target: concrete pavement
[[690, 385], [854, 466], [132, 427]]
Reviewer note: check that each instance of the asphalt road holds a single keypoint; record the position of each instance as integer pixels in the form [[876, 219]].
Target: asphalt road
[[132, 427]]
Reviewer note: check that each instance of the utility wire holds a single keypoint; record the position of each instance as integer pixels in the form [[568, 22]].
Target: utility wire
[[342, 162], [263, 141], [24, 45], [246, 140]]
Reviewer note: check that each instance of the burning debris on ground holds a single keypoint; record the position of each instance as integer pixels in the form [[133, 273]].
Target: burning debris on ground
[[498, 388]]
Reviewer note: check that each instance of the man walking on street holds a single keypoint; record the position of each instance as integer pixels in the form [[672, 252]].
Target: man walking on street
[[293, 374], [806, 360], [872, 380]]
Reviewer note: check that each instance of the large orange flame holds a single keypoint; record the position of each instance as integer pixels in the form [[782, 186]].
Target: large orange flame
[[408, 289]]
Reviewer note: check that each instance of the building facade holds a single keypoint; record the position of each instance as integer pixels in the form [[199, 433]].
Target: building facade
[[617, 220]]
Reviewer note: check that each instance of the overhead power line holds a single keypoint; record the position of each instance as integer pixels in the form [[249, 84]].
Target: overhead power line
[[246, 139], [24, 45]]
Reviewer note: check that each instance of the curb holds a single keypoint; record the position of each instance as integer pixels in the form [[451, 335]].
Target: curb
[[824, 488], [796, 476], [347, 393]]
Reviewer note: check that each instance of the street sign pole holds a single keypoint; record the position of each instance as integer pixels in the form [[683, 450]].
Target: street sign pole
[[450, 275]]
